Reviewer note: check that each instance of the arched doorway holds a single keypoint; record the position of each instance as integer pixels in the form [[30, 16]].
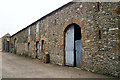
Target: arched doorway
[[73, 47], [15, 42], [37, 49]]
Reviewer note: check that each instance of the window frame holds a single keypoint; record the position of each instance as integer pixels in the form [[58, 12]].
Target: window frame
[[37, 27], [100, 34], [98, 6], [43, 45], [29, 31], [28, 46]]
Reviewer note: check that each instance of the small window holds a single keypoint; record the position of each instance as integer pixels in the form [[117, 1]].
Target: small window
[[28, 46], [98, 6], [55, 22], [37, 27], [99, 34], [29, 31], [42, 45]]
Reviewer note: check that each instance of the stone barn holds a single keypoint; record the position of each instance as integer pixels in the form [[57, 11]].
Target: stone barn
[[79, 34], [5, 43]]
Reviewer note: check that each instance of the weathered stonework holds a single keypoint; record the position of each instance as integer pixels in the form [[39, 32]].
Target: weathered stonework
[[0, 44], [100, 54], [5, 42]]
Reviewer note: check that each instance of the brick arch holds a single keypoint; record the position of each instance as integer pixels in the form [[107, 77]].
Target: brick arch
[[71, 21], [15, 37]]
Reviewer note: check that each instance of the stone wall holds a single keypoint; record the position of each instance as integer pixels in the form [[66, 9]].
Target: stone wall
[[108, 51], [0, 44], [99, 29], [21, 38], [104, 56], [5, 42]]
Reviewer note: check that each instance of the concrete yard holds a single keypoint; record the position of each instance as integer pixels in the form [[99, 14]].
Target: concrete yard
[[14, 66]]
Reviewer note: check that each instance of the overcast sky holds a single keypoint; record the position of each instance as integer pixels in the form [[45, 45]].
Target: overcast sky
[[18, 14]]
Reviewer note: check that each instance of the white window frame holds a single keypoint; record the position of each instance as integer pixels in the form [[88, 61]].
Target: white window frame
[[37, 27], [29, 31]]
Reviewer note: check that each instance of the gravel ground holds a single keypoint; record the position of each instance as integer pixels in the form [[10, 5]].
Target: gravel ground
[[14, 66]]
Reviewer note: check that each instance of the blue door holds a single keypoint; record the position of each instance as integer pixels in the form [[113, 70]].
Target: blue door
[[15, 45], [78, 53], [6, 47], [11, 50]]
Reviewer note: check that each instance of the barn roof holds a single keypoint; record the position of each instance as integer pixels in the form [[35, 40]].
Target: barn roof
[[45, 17]]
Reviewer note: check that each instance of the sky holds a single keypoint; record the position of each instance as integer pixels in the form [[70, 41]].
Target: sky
[[18, 14]]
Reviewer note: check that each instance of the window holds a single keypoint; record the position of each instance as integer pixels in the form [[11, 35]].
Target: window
[[99, 34], [42, 45], [55, 22], [28, 46], [37, 27], [98, 6], [29, 31]]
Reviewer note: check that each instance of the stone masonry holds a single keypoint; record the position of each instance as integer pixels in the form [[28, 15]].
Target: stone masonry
[[100, 31], [5, 42], [0, 44]]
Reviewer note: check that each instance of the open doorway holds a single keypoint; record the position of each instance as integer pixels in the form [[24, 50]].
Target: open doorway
[[37, 49], [15, 42], [73, 47]]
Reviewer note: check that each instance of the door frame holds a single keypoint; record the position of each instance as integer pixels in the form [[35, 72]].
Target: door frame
[[15, 45], [8, 46], [37, 55], [64, 30]]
